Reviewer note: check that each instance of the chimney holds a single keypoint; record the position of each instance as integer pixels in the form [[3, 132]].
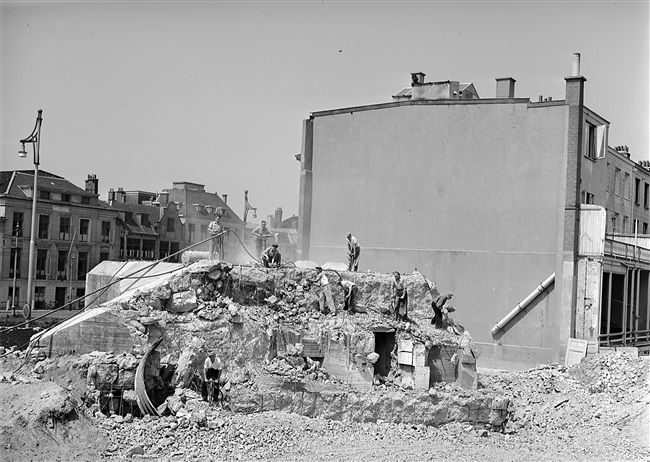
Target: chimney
[[225, 198], [163, 198], [92, 184], [576, 65], [120, 196], [417, 78], [111, 195], [278, 216], [505, 87]]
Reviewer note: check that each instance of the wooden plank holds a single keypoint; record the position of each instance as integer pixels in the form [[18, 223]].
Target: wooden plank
[[576, 349]]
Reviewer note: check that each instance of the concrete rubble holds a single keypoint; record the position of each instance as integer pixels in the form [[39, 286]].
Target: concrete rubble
[[281, 352]]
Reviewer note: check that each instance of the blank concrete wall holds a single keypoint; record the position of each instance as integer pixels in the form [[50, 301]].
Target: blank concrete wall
[[466, 193]]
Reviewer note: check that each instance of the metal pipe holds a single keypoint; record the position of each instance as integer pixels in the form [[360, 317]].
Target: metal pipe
[[523, 304]]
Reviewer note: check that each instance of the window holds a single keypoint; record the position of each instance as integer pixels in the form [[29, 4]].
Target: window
[[43, 226], [65, 197], [587, 198], [171, 225], [164, 249], [44, 194], [637, 190], [624, 224], [626, 186], [80, 293], [191, 232], [148, 249], [204, 232], [174, 247], [614, 222], [132, 248], [595, 141], [61, 265], [645, 228], [106, 231], [14, 301], [15, 262], [82, 266], [646, 190], [39, 297], [617, 186], [85, 200], [41, 264], [84, 230], [17, 226], [590, 133], [64, 228]]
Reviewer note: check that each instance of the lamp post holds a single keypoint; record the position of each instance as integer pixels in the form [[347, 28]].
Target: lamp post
[[35, 140], [13, 290]]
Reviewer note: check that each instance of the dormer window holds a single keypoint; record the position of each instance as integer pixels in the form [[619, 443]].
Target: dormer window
[[44, 194], [65, 197]]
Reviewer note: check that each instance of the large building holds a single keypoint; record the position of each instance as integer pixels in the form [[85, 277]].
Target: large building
[[483, 196], [74, 232]]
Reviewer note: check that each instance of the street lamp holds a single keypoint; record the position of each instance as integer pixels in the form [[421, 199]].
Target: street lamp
[[35, 140]]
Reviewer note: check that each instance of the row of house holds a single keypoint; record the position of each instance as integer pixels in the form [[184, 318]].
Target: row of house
[[75, 231], [519, 207]]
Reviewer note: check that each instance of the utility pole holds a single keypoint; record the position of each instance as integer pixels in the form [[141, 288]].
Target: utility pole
[[13, 291]]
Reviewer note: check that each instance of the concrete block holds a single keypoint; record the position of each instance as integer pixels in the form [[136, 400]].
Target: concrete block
[[467, 376], [422, 378], [419, 355]]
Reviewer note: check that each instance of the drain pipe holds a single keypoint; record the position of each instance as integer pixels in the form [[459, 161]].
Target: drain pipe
[[523, 304]]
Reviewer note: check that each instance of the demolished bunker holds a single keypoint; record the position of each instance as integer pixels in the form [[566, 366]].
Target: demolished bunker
[[280, 351]]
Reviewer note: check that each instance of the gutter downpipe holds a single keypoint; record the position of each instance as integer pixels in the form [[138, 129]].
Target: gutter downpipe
[[523, 304]]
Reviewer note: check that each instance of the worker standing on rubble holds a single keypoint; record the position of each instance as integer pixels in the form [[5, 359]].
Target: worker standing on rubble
[[354, 250], [400, 297], [271, 258], [261, 233], [326, 291], [438, 304], [216, 243], [350, 290], [212, 367]]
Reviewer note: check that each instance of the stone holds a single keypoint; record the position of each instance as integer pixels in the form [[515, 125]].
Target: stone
[[183, 302], [135, 450]]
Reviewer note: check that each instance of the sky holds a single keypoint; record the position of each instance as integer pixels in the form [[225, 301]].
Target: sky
[[144, 94]]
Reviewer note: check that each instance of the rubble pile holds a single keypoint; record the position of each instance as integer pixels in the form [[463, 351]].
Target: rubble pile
[[608, 388]]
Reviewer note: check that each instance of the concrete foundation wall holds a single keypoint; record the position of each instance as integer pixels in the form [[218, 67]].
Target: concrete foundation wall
[[469, 194]]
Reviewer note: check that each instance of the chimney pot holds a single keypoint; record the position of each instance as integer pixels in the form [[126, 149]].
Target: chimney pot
[[225, 198], [576, 65]]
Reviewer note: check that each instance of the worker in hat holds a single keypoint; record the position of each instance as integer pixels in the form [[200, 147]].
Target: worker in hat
[[354, 250], [271, 258], [350, 290], [212, 368]]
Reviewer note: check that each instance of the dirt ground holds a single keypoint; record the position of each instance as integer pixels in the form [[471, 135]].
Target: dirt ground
[[596, 411]]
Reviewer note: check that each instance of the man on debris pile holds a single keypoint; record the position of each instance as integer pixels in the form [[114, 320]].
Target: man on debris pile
[[326, 291], [438, 304], [399, 297], [271, 258], [212, 367], [216, 243], [350, 290], [354, 250], [261, 233]]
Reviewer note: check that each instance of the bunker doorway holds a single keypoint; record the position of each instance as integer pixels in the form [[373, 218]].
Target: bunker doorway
[[384, 345]]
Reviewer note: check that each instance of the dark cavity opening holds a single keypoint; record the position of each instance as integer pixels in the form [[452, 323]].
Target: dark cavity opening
[[384, 345]]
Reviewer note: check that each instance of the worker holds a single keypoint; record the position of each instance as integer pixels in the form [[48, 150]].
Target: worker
[[271, 258], [399, 297], [261, 233], [438, 304], [350, 290], [216, 243], [354, 250], [326, 292], [212, 368]]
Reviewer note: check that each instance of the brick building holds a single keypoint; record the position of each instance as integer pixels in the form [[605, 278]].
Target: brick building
[[75, 231]]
